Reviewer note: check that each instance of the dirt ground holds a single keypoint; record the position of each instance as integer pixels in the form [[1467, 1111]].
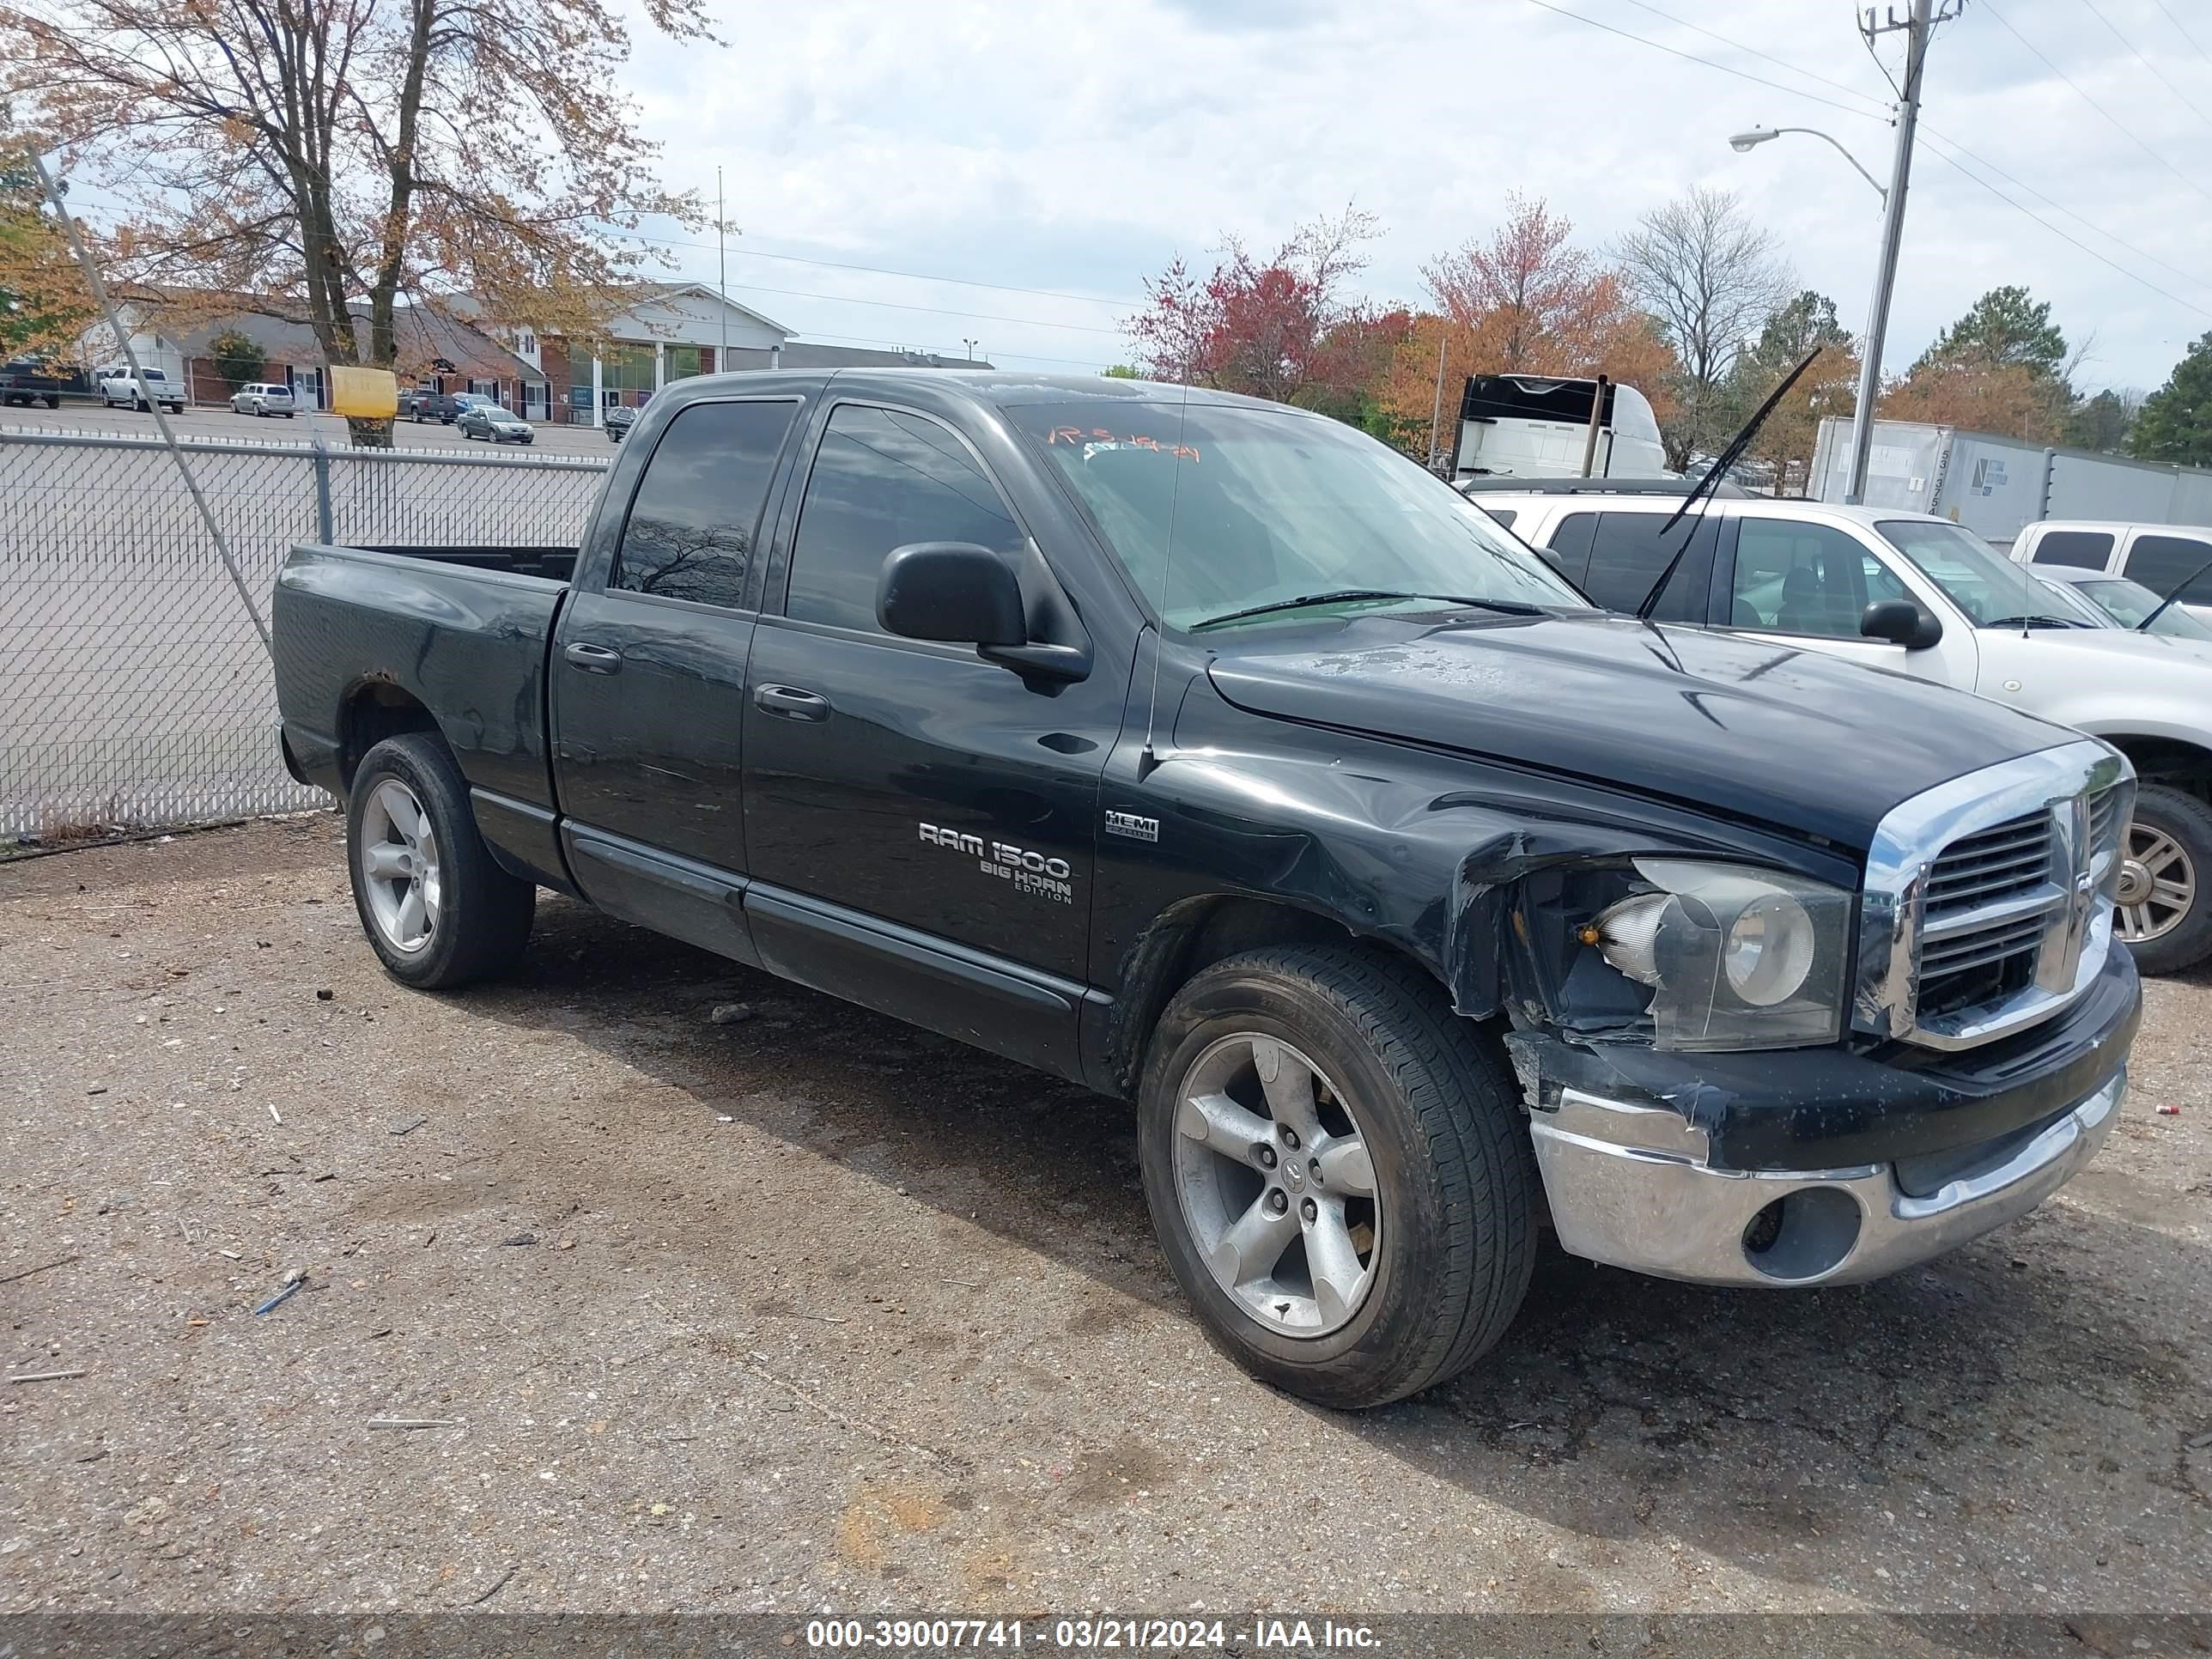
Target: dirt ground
[[810, 1310]]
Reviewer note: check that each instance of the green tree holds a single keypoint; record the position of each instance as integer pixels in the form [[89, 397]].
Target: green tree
[[1828, 387], [2104, 422], [2176, 422], [237, 359], [2006, 328], [1120, 371]]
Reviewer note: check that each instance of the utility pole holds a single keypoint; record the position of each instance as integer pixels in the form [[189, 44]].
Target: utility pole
[[1436, 410], [721, 277], [1919, 27]]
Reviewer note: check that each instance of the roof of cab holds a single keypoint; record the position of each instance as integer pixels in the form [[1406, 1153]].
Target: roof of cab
[[994, 385]]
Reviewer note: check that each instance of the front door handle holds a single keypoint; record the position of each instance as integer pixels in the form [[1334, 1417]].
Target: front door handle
[[791, 702], [593, 658]]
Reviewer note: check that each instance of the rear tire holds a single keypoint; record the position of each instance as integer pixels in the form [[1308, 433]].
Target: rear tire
[[1399, 1095], [2168, 877], [437, 906]]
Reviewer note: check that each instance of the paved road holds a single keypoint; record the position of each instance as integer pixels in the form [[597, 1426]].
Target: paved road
[[198, 422], [813, 1310]]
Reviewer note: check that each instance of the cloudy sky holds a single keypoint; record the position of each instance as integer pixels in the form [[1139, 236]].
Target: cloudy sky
[[1075, 148]]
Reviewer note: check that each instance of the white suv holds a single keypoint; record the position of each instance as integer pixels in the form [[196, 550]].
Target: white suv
[[1918, 595], [263, 398]]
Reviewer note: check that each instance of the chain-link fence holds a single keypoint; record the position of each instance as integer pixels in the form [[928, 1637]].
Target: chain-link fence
[[137, 693]]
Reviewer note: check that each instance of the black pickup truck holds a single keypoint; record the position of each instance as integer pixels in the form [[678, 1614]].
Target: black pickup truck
[[1209, 753]]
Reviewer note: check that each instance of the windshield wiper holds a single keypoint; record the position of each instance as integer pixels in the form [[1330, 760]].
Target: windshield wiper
[[2171, 595], [1509, 607], [1699, 492], [2035, 622]]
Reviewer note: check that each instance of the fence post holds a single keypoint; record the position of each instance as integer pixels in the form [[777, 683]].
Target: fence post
[[325, 530]]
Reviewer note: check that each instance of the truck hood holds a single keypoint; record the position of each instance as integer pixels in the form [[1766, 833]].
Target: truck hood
[[2108, 650], [1749, 729]]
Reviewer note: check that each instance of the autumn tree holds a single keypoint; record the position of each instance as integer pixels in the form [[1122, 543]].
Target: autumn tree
[[2003, 367], [2175, 426], [1829, 387], [338, 158], [1525, 299], [1275, 328], [43, 305], [1711, 277]]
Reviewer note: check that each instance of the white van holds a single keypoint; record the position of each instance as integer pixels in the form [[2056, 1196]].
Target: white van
[[1536, 426], [2158, 556]]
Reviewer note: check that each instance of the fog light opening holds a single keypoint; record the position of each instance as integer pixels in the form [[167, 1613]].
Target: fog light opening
[[1803, 1234]]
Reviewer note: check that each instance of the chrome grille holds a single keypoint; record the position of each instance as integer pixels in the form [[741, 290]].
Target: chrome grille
[[1988, 902]]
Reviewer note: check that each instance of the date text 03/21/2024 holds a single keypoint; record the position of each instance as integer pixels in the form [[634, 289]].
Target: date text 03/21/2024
[[1086, 1635]]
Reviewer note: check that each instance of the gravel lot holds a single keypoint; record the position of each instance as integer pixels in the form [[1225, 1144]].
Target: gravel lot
[[808, 1310], [208, 422]]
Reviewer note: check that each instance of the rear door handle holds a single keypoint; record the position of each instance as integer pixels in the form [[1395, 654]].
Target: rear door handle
[[791, 702], [593, 658]]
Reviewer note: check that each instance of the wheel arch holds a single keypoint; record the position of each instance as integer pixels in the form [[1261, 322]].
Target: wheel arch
[[371, 711], [1189, 937], [2159, 757]]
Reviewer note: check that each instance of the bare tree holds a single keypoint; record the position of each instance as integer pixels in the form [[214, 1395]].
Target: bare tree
[[337, 158], [1712, 278]]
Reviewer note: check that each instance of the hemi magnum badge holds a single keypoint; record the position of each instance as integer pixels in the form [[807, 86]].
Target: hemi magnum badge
[[1132, 826]]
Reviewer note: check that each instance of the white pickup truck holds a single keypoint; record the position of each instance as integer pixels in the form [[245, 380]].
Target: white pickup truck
[[1919, 595], [148, 386]]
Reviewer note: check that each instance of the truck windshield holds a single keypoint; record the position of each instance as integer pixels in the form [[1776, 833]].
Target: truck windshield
[[1989, 588], [2128, 603], [1218, 511]]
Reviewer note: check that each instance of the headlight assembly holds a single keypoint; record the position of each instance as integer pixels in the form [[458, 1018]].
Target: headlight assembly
[[1736, 958]]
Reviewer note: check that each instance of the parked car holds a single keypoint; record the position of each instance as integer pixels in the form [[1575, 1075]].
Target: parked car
[[2161, 556], [617, 422], [1913, 592], [148, 387], [419, 404], [489, 420], [2116, 602], [1397, 885], [28, 380], [263, 398]]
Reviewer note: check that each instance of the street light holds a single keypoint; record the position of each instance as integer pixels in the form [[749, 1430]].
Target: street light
[[1744, 142]]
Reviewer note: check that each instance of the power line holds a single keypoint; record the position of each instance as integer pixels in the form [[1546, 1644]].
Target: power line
[[1962, 149], [1768, 57], [934, 311], [2113, 29], [2060, 207], [1691, 56], [2133, 277], [2185, 34], [880, 271], [2124, 128]]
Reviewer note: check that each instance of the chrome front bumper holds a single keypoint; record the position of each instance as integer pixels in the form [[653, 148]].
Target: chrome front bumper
[[1631, 1186]]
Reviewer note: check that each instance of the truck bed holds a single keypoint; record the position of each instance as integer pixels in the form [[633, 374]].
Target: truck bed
[[466, 628], [554, 563]]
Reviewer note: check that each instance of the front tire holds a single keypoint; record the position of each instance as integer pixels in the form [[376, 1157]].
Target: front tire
[[435, 904], [1338, 1171], [2163, 913]]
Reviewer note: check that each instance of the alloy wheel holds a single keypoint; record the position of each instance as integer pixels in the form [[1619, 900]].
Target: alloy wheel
[[2158, 884], [1276, 1185], [399, 866]]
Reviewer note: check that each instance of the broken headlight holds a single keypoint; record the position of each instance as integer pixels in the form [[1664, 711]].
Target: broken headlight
[[1736, 958]]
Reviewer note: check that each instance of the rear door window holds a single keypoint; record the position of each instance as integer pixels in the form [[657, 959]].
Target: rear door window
[[1628, 554], [2163, 563], [2084, 550], [694, 521]]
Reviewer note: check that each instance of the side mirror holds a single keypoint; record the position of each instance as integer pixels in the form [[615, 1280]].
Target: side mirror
[[956, 592], [1901, 622]]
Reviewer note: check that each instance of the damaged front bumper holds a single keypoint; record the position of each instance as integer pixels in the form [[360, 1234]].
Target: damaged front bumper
[[1819, 1167]]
